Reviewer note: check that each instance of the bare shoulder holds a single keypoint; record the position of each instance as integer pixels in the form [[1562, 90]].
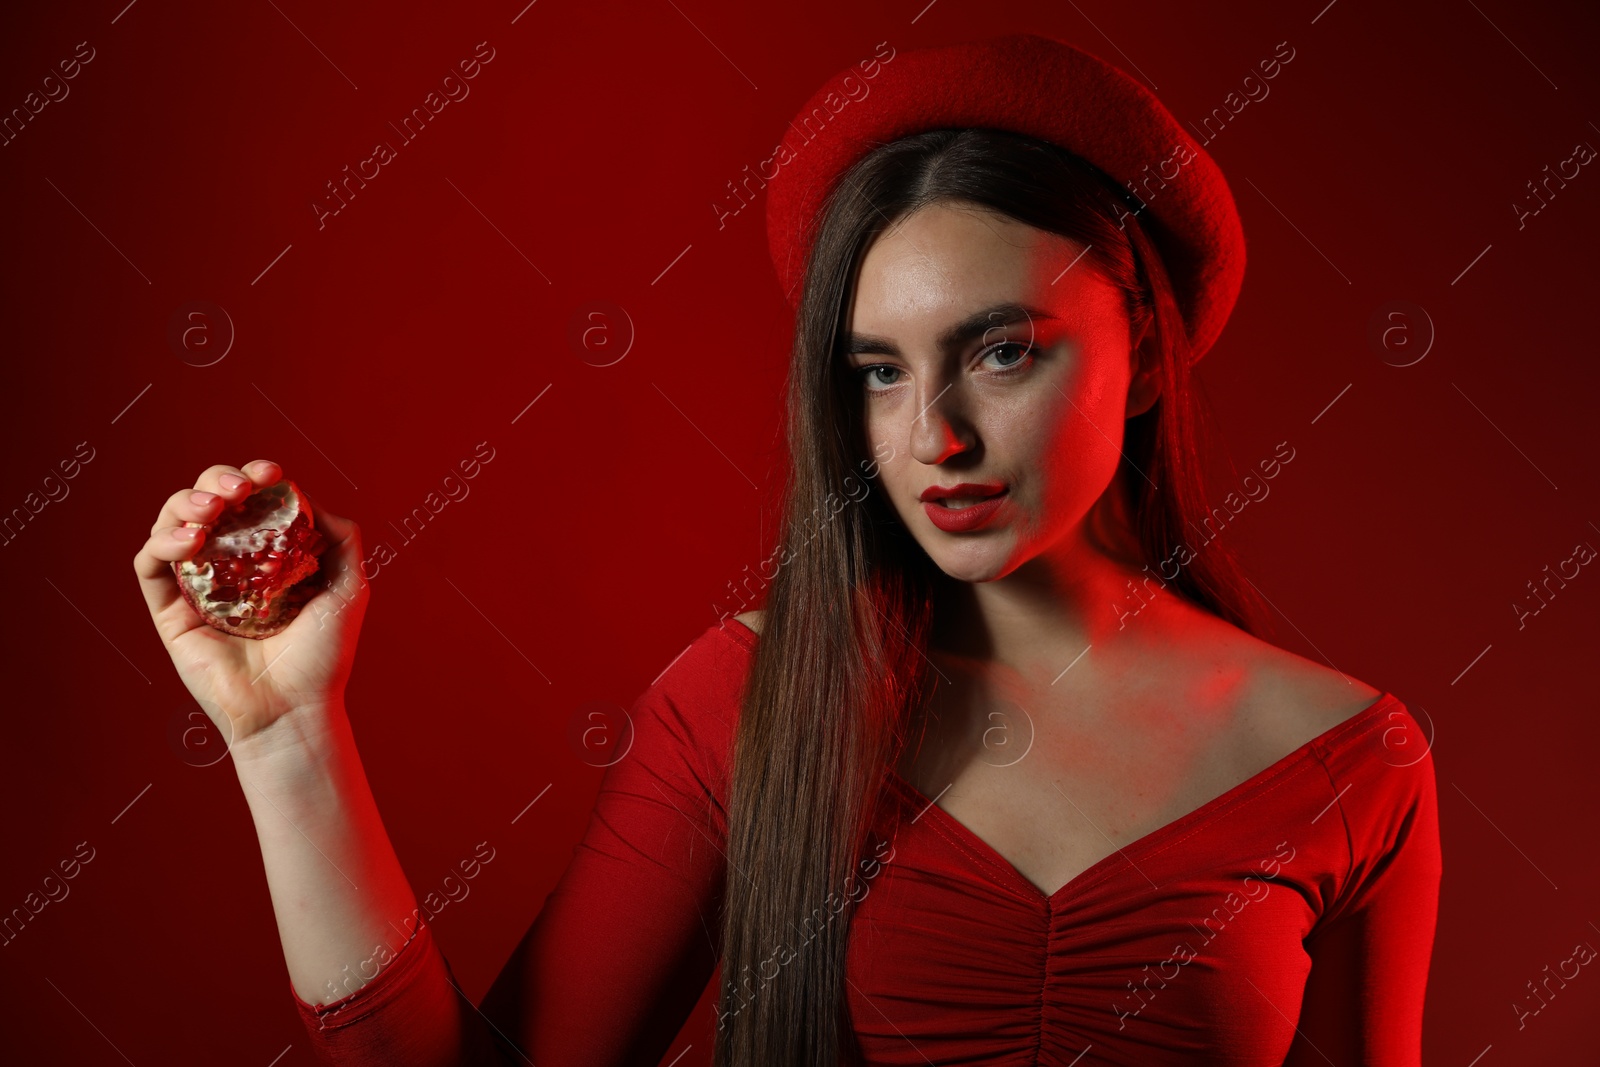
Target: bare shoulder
[[751, 619], [1290, 700], [1284, 699]]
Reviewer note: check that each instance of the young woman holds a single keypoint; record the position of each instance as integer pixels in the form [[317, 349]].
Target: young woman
[[1000, 773]]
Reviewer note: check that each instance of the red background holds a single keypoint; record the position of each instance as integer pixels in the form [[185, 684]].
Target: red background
[[377, 352]]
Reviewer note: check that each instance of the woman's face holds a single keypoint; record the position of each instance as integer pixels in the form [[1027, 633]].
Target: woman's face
[[987, 351]]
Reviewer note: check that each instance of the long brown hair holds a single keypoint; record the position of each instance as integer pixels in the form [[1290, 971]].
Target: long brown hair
[[839, 667]]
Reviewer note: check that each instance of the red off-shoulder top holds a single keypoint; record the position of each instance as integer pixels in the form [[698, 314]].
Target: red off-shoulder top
[[1289, 920]]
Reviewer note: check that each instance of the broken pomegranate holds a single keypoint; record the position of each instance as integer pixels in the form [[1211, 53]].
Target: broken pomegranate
[[258, 564]]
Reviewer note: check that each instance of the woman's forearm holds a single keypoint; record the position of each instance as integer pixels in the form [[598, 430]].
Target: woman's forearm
[[341, 898]]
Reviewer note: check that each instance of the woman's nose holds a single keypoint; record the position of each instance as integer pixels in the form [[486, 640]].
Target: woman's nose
[[939, 430]]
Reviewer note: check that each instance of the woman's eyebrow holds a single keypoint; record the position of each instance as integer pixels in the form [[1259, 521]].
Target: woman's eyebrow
[[974, 325]]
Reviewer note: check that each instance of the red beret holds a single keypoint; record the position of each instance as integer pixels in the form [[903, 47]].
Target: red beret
[[1046, 89]]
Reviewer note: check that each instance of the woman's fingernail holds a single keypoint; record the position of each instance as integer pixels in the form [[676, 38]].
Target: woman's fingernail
[[185, 533], [201, 499], [230, 482]]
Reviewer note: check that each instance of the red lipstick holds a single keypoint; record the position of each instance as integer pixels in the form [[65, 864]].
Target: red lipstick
[[968, 516]]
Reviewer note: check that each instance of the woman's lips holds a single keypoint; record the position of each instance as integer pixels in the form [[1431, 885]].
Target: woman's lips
[[971, 512]]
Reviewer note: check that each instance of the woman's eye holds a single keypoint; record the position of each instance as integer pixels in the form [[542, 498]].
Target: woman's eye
[[1011, 356], [1019, 354], [870, 375]]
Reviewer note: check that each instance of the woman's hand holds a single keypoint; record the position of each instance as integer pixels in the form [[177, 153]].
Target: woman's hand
[[247, 685]]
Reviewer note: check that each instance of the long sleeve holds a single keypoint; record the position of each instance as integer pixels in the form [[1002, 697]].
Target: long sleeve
[[625, 943], [1371, 948], [411, 1012]]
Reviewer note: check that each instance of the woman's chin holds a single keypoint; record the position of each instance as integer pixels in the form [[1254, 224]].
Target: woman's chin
[[971, 562]]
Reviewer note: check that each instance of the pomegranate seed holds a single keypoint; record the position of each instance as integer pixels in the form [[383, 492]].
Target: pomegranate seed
[[257, 549]]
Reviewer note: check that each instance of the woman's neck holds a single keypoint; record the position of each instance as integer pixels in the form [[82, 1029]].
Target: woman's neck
[[1090, 590]]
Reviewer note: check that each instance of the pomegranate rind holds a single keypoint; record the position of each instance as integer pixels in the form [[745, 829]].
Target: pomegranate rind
[[258, 565]]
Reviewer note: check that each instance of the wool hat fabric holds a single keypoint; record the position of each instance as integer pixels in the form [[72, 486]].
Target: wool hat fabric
[[1047, 89]]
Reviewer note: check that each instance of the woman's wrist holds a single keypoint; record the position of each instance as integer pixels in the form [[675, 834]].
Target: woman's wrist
[[298, 744]]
